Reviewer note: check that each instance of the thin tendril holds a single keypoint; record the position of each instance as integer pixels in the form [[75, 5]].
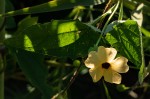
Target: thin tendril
[[102, 33]]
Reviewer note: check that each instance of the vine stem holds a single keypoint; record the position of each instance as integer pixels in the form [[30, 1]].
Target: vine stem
[[110, 17], [121, 11], [106, 90], [69, 84], [2, 37]]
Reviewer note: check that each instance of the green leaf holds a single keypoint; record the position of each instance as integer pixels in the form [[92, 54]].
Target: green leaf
[[25, 23], [145, 32], [122, 87], [57, 38], [34, 69], [146, 42], [109, 27], [54, 5], [142, 73], [126, 38]]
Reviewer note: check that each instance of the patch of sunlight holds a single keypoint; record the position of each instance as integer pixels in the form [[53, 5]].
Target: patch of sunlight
[[25, 9], [28, 44], [53, 3], [67, 27], [30, 88], [10, 12], [67, 33], [80, 7]]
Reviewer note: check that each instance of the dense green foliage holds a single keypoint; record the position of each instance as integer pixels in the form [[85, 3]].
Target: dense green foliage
[[46, 45]]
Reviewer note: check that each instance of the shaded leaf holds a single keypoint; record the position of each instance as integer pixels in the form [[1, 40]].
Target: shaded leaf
[[54, 5], [26, 22], [57, 38], [34, 69]]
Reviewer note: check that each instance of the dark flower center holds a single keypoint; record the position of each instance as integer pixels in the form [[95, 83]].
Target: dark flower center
[[106, 65]]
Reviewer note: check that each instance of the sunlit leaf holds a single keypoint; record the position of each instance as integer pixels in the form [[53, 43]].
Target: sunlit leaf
[[110, 26], [126, 37]]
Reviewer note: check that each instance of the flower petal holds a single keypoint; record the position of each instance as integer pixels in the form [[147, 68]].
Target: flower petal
[[93, 60], [111, 54], [112, 76], [96, 74], [102, 54], [120, 65]]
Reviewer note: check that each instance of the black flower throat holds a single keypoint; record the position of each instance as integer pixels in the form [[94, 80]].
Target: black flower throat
[[105, 65]]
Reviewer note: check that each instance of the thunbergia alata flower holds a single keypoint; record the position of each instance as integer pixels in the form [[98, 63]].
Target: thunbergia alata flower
[[102, 63]]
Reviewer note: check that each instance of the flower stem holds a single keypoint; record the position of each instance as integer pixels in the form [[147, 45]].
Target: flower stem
[[115, 9], [106, 91]]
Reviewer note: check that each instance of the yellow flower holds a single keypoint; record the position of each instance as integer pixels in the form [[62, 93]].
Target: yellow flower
[[103, 64]]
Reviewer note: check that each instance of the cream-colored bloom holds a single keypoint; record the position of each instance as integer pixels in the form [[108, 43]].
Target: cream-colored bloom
[[102, 63]]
